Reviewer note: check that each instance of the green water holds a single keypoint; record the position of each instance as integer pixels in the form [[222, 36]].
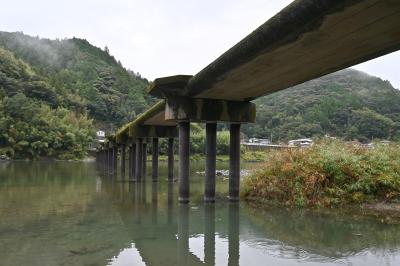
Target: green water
[[71, 214]]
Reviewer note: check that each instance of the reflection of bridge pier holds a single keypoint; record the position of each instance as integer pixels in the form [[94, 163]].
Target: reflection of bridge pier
[[170, 202], [209, 234], [183, 234], [233, 235], [161, 230], [154, 202], [137, 202]]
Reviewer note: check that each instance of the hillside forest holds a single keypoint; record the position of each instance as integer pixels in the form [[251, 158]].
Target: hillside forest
[[54, 95]]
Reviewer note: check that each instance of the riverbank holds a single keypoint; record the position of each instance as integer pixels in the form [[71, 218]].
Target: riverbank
[[329, 174], [246, 156]]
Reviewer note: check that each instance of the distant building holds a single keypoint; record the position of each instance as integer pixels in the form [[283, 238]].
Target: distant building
[[259, 141], [100, 136], [254, 144], [301, 142]]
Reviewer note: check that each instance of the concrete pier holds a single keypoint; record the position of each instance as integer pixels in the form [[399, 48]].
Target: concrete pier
[[154, 162], [114, 159], [211, 152], [139, 159], [144, 162], [123, 158], [133, 166], [184, 138], [109, 159], [130, 161], [170, 159], [234, 162]]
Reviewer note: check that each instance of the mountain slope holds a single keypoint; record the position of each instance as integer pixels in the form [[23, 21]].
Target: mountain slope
[[55, 93], [348, 104], [83, 77], [32, 122]]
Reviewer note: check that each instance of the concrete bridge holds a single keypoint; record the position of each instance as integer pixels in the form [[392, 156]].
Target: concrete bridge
[[307, 39]]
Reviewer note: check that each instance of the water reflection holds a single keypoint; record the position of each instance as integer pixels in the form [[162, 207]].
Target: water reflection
[[233, 234], [62, 215], [209, 234]]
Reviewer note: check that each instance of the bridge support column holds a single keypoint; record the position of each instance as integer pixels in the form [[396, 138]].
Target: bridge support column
[[234, 162], [133, 166], [171, 159], [130, 161], [144, 163], [109, 160], [139, 155], [115, 159], [123, 157], [211, 151], [184, 138], [154, 162]]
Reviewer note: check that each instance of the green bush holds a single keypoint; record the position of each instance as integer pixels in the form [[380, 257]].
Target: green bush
[[327, 174]]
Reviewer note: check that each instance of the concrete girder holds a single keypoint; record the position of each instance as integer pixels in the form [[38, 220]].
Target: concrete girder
[[209, 110], [144, 131]]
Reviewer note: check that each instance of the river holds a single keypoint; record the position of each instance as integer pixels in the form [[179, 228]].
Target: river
[[69, 213]]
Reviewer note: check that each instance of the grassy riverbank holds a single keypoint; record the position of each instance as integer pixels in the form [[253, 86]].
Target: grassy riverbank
[[327, 174]]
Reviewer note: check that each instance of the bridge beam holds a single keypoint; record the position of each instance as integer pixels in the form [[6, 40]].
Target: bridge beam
[[150, 131], [208, 110]]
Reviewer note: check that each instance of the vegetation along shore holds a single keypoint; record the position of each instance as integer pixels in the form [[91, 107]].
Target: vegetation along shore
[[328, 174]]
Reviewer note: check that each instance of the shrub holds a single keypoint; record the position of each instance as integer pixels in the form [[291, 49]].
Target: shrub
[[330, 173]]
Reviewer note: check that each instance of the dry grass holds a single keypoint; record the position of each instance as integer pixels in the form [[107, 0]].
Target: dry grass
[[327, 174]]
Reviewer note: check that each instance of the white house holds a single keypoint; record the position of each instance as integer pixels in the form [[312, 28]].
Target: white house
[[301, 142]]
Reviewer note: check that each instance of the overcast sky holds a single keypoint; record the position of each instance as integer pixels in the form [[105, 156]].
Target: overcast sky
[[158, 37]]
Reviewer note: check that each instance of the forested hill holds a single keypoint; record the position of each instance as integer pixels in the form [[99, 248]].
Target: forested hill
[[55, 93], [77, 75], [348, 104]]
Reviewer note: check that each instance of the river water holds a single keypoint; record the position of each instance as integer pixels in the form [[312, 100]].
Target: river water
[[71, 214]]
